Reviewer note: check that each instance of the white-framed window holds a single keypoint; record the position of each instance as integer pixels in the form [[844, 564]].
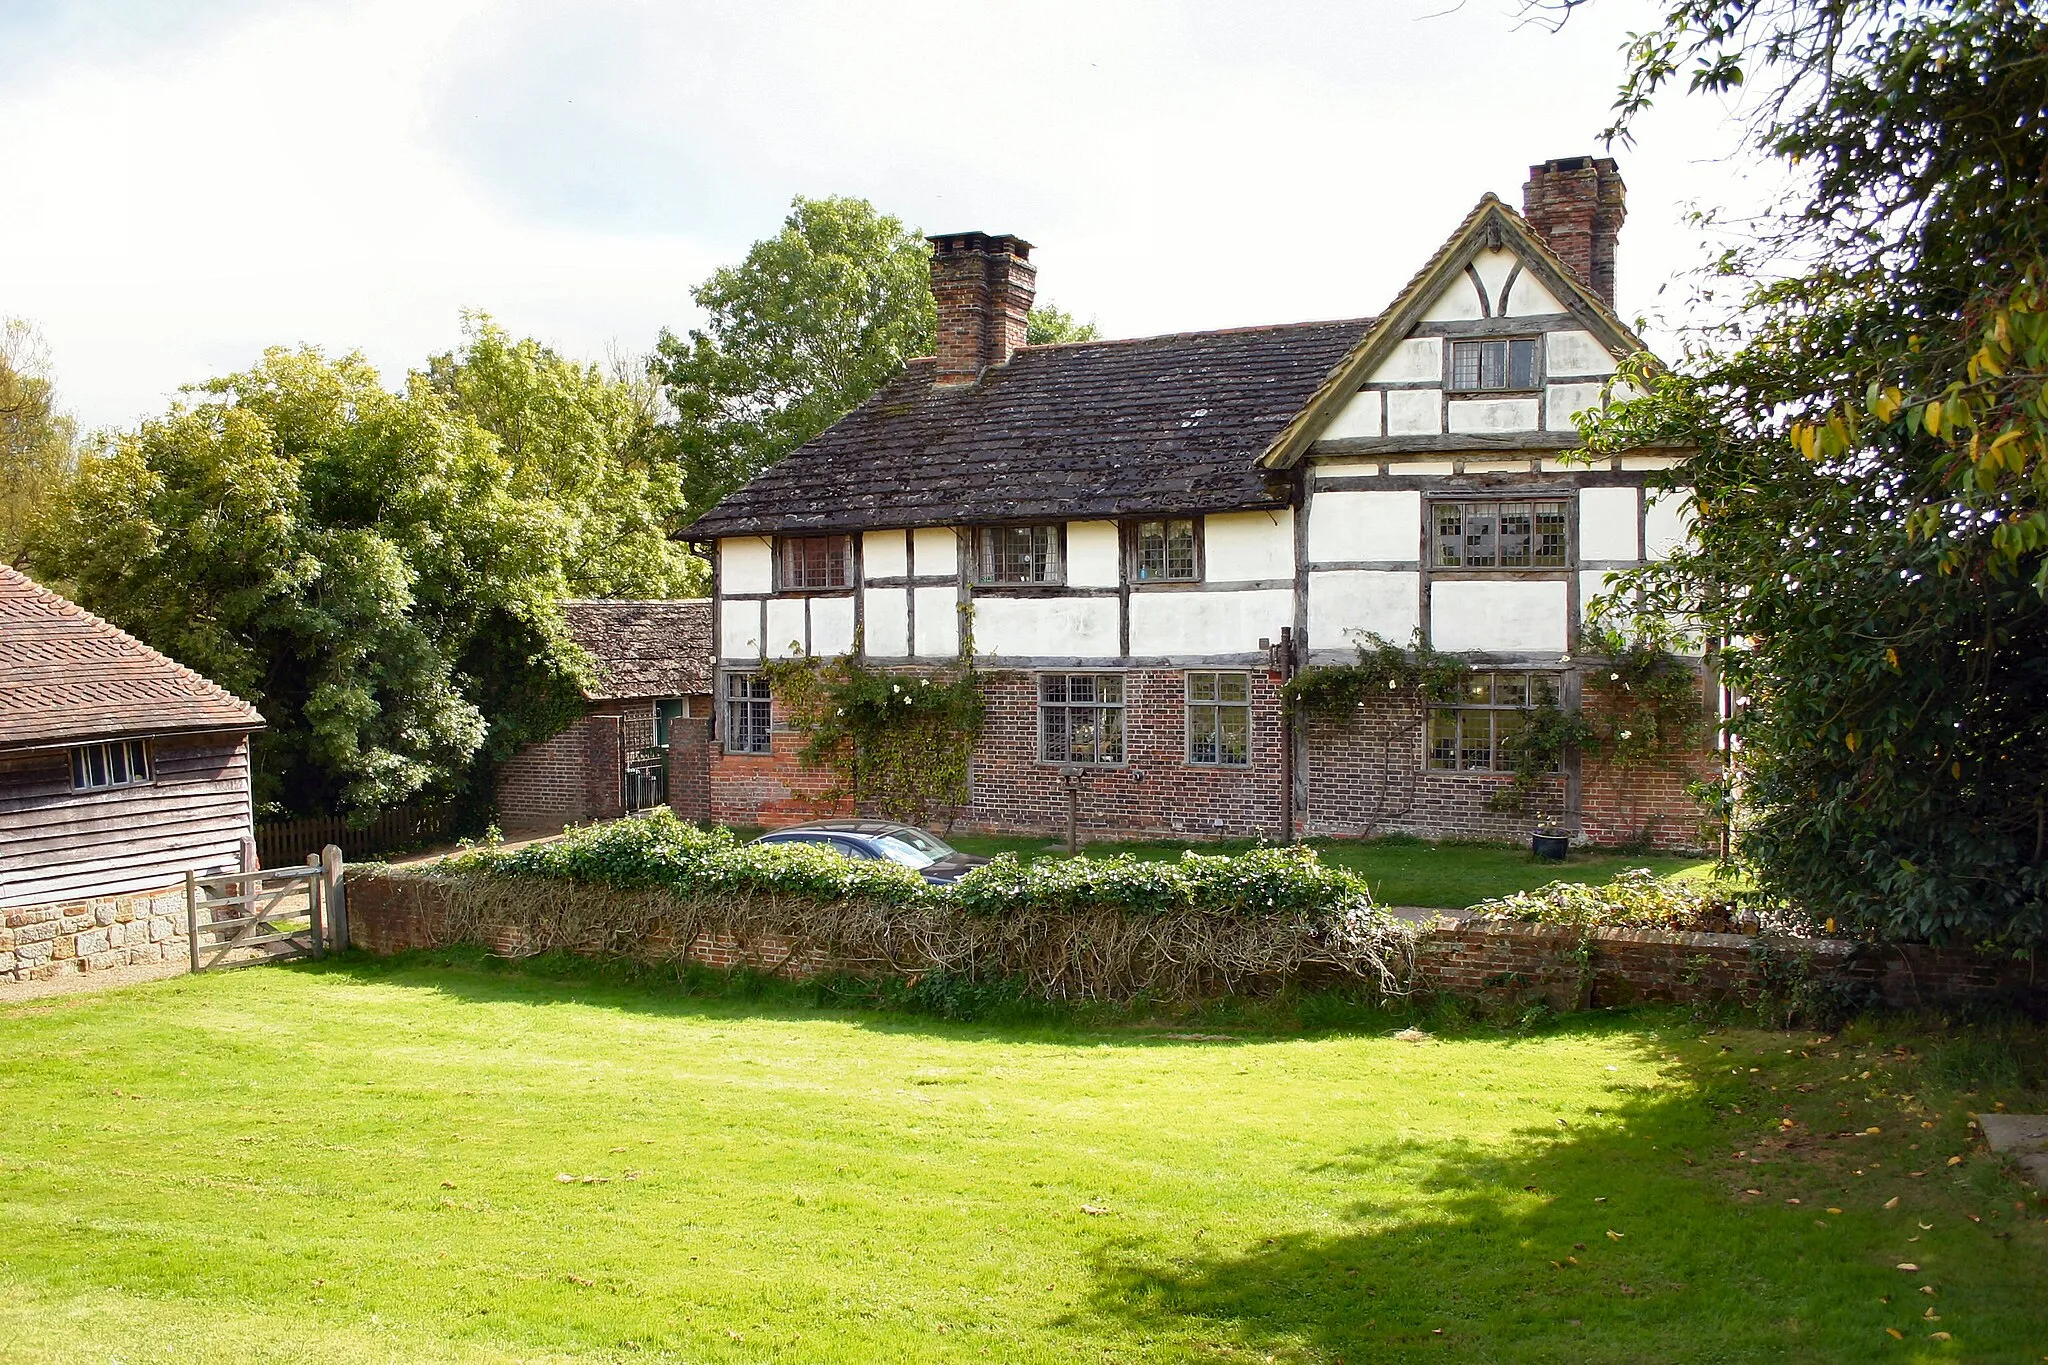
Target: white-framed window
[[116, 763], [1509, 364], [1477, 733], [1081, 717], [811, 563], [1500, 535], [1167, 551], [1019, 554], [748, 722], [1220, 719]]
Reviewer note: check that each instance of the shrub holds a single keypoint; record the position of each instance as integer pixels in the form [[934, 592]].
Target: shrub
[[1636, 899]]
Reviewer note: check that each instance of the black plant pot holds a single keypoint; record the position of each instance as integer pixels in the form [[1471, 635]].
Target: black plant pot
[[1550, 847]]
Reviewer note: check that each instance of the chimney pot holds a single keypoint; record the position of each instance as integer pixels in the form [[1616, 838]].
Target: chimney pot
[[983, 286], [1577, 204]]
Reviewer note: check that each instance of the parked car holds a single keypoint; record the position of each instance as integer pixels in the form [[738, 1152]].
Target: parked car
[[880, 841]]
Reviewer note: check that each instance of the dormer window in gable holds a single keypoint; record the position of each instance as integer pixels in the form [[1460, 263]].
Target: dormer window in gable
[[1167, 552], [1490, 365], [814, 563], [1023, 555]]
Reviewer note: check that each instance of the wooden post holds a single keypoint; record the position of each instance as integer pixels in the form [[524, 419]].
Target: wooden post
[[314, 886], [333, 898], [192, 916], [1070, 777]]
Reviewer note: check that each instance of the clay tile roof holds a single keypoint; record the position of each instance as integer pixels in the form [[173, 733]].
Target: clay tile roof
[[66, 675], [1092, 428], [644, 649]]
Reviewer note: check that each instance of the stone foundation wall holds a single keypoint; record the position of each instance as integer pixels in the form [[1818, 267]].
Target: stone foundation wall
[[38, 942]]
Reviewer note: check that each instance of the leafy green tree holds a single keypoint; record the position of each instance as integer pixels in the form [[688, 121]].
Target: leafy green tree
[[1049, 324], [1871, 429], [38, 444]]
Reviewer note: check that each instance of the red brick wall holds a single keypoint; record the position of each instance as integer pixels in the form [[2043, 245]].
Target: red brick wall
[[576, 775], [769, 790]]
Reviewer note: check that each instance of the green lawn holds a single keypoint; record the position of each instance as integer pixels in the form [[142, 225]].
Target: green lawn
[[1402, 870], [366, 1162]]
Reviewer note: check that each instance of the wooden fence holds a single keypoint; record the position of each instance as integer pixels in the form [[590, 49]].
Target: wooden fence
[[286, 843], [274, 914]]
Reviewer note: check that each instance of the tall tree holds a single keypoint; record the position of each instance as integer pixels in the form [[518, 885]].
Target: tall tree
[[1049, 324], [1872, 433], [38, 443]]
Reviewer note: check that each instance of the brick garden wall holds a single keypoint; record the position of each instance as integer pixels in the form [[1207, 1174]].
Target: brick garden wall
[[42, 941], [575, 776]]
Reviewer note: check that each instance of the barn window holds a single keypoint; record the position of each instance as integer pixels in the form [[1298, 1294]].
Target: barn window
[[747, 719], [1220, 719], [1478, 732], [809, 563], [1166, 552], [1499, 535], [1081, 717], [1482, 365], [1019, 554], [119, 763]]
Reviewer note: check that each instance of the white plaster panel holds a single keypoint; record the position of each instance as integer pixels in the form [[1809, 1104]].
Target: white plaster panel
[[1593, 583], [1025, 627], [1575, 353], [1207, 623], [885, 631], [1092, 553], [1247, 547], [1607, 523], [1493, 414], [739, 630], [1566, 399], [1359, 417], [1496, 466], [1414, 359], [1667, 521], [831, 626], [786, 634], [1344, 467], [1344, 604], [1354, 526], [1649, 462], [1492, 616], [1529, 299], [746, 564], [1493, 268], [937, 550], [938, 622], [1458, 303], [1421, 467], [882, 555], [1415, 412]]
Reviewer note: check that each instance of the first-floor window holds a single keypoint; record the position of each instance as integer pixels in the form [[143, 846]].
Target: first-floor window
[[119, 763], [747, 721], [1479, 731], [813, 562], [1081, 717], [1166, 552], [1018, 554], [1220, 719]]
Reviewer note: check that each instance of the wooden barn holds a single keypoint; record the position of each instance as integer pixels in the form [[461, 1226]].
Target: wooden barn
[[120, 771]]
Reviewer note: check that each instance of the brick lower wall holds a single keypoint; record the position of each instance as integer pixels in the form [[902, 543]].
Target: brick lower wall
[[576, 775], [39, 942]]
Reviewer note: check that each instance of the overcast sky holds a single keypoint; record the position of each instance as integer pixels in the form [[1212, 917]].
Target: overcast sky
[[186, 183]]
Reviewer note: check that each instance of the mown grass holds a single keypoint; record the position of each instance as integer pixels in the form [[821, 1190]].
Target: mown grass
[[1402, 870], [362, 1161]]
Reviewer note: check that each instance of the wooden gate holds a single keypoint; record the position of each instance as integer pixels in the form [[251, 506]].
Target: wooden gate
[[270, 915]]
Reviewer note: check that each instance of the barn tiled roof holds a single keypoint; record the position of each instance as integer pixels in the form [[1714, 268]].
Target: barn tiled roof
[[1093, 428], [644, 649], [66, 675]]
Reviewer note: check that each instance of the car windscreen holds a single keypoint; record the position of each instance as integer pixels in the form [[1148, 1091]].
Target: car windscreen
[[898, 848], [928, 844]]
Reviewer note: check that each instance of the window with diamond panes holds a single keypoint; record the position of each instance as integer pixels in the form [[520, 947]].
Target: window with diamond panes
[[1220, 719], [1499, 535], [1019, 554], [1477, 366], [1166, 552], [1479, 731], [1081, 717]]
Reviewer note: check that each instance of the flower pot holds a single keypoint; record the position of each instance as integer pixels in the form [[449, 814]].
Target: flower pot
[[1550, 847]]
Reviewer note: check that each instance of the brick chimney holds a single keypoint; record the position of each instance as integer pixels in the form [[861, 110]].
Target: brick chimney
[[983, 287], [1577, 204]]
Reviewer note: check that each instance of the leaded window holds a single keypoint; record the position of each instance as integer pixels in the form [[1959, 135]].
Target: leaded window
[[1081, 717], [748, 722], [814, 562], [1220, 719], [1505, 364], [1479, 731], [1499, 535], [1019, 554], [1166, 552], [117, 763]]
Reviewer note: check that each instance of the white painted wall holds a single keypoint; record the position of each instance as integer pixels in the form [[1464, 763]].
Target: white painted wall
[[1607, 523], [1359, 417], [1421, 467], [831, 626], [786, 637], [1530, 299], [1344, 603], [938, 554], [1347, 526], [1592, 583], [882, 555], [1566, 354], [1491, 616], [1649, 462], [1248, 547], [1479, 415], [1417, 358], [1567, 399], [1493, 268], [1207, 623], [938, 622], [886, 631], [739, 630], [1026, 627], [746, 564], [1667, 521], [1092, 553], [1458, 303], [1415, 412]]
